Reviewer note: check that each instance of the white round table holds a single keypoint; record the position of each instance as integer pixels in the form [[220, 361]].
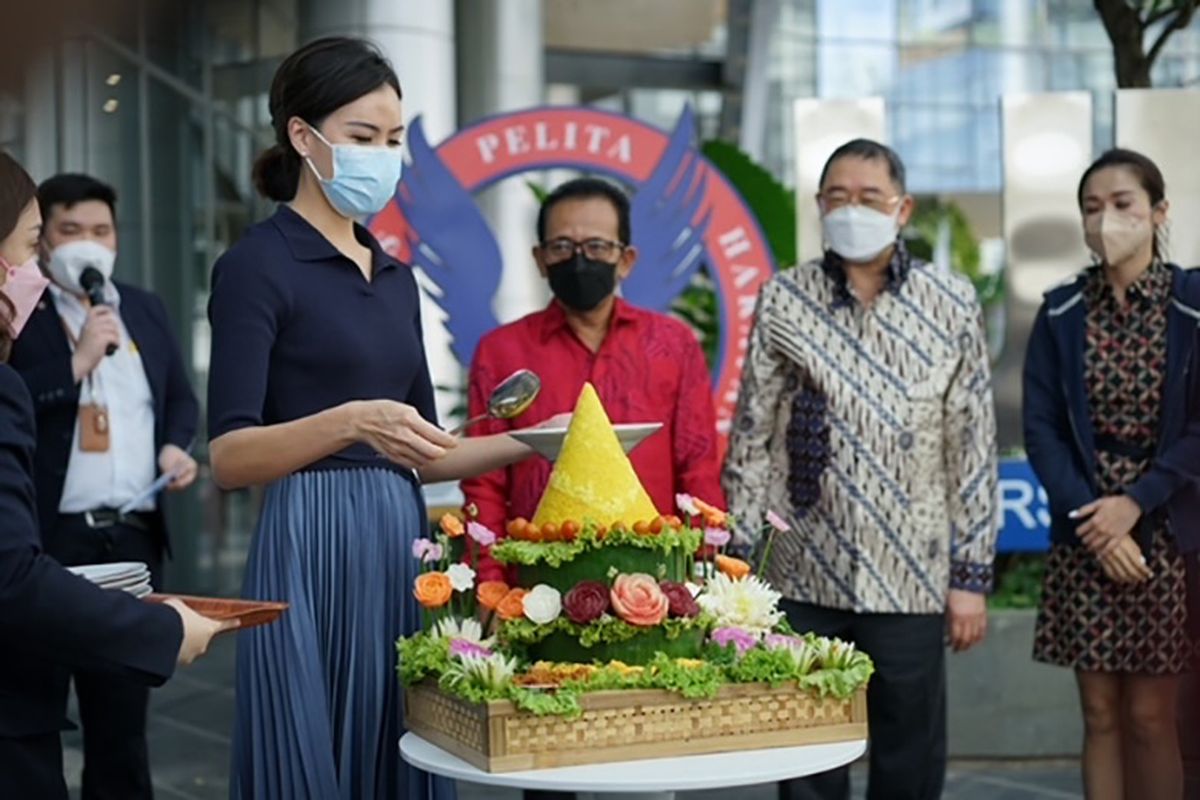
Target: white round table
[[716, 771]]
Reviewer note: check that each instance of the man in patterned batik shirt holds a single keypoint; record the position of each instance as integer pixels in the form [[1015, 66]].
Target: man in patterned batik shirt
[[865, 420]]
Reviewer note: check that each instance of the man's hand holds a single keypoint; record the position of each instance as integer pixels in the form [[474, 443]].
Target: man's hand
[[198, 631], [1125, 563], [1107, 520], [100, 330], [174, 460], [966, 616]]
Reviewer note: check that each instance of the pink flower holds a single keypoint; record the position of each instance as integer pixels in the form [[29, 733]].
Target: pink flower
[[687, 504], [742, 640], [777, 522], [481, 533], [781, 641], [638, 600], [716, 537], [462, 647], [426, 551]]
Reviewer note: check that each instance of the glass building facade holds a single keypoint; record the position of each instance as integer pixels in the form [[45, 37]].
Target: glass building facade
[[942, 66], [167, 100]]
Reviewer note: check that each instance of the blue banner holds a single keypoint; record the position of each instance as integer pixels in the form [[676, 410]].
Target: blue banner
[[1026, 511]]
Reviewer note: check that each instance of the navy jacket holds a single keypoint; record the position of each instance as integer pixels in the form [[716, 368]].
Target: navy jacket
[[42, 355], [51, 618], [1059, 438]]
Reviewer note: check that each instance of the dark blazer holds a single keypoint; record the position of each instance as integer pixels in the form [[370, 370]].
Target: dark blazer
[[42, 355], [51, 618], [1059, 438]]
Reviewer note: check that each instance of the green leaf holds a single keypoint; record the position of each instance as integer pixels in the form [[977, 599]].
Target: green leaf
[[773, 204], [421, 656], [555, 554], [606, 630], [540, 192]]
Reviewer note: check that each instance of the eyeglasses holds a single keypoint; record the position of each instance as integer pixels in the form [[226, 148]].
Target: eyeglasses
[[558, 250], [837, 198]]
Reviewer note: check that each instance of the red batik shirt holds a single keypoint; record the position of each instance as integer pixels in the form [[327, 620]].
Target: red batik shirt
[[650, 368]]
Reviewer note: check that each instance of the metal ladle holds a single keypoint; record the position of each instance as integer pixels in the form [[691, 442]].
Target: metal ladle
[[511, 397]]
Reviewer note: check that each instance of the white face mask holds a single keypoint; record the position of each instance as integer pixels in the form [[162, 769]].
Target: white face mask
[[858, 234], [68, 261], [364, 177], [1114, 236]]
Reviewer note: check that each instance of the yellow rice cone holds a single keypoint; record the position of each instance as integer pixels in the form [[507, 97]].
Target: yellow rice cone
[[592, 478]]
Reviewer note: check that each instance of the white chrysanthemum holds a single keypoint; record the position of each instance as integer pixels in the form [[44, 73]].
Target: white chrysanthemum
[[746, 603], [543, 604], [485, 672], [462, 577], [469, 630]]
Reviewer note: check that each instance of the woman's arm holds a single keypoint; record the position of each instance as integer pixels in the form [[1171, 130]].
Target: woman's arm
[[263, 453], [473, 457], [258, 455]]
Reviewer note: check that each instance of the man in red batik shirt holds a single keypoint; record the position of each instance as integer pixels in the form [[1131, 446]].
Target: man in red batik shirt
[[646, 366]]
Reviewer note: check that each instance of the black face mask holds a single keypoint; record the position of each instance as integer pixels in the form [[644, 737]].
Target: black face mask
[[582, 283]]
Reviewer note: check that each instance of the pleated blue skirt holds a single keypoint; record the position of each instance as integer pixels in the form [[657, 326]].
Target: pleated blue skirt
[[318, 699]]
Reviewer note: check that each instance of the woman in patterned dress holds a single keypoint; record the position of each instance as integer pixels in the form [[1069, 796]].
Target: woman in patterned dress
[[1106, 406]]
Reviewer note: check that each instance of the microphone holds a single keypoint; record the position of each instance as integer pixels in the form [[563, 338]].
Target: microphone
[[91, 280]]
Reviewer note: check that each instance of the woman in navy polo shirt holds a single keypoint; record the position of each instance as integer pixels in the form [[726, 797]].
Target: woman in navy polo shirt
[[319, 387]]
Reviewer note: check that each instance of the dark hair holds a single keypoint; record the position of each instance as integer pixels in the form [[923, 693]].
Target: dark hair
[[587, 189], [1145, 170], [869, 150], [71, 188], [312, 83], [1148, 175], [17, 191]]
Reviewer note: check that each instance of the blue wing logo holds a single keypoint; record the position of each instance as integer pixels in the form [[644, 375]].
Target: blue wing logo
[[666, 232], [451, 243]]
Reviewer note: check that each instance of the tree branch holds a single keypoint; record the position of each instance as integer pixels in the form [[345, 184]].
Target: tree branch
[[1183, 17]]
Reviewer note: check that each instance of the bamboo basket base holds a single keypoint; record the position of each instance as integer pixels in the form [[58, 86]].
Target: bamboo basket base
[[631, 725]]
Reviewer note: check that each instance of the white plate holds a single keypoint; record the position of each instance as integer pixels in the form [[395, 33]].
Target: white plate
[[141, 591], [107, 573], [548, 441], [126, 583]]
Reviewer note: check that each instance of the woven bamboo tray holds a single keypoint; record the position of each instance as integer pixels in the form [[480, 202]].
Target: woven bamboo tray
[[631, 725]]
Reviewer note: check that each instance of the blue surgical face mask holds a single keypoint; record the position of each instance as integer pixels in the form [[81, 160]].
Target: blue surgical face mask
[[364, 178]]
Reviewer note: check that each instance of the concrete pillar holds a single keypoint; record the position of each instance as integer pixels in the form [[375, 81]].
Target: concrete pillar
[[500, 62], [418, 37]]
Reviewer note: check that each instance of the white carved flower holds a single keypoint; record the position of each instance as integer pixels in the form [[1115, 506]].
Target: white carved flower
[[468, 630], [543, 604], [462, 577]]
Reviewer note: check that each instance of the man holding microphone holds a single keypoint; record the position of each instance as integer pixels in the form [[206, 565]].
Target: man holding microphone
[[115, 411]]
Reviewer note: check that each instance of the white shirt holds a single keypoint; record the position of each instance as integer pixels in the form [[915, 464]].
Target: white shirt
[[118, 383]]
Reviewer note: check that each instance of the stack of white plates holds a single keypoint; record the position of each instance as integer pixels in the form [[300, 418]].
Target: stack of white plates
[[128, 576]]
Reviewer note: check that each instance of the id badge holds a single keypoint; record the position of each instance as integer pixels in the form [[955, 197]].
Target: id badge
[[93, 428]]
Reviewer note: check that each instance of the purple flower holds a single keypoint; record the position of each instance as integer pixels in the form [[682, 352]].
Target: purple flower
[[462, 647], [481, 533], [716, 537], [426, 551], [742, 640], [777, 522], [687, 504]]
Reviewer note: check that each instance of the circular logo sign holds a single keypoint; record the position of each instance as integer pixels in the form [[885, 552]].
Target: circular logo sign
[[684, 213]]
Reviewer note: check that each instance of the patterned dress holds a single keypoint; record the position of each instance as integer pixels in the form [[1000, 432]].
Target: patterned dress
[[1087, 621]]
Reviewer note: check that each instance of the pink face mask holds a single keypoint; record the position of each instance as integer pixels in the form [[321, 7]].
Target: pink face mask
[[23, 286]]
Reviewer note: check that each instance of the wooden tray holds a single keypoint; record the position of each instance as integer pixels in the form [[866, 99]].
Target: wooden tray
[[249, 613], [631, 725]]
